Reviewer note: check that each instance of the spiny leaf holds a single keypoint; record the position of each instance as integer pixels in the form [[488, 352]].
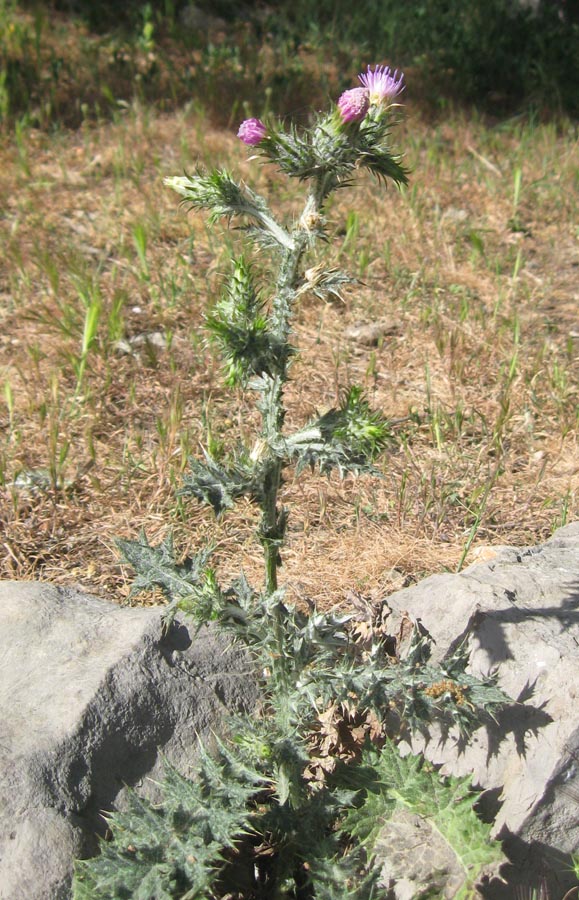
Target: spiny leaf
[[344, 877], [347, 438], [219, 487], [291, 149], [408, 791], [330, 153], [219, 193], [325, 282], [381, 163], [375, 154], [190, 586], [156, 566], [242, 331], [174, 850]]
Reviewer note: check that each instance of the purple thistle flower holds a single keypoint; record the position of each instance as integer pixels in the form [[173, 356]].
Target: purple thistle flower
[[382, 84], [354, 104], [252, 131]]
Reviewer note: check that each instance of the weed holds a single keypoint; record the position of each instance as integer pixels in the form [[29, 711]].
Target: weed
[[89, 335], [278, 783]]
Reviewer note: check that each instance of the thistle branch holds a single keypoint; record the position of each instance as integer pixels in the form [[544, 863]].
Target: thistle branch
[[225, 198]]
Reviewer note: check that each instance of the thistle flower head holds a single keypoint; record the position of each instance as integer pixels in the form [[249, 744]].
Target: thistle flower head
[[382, 84], [252, 131], [354, 104]]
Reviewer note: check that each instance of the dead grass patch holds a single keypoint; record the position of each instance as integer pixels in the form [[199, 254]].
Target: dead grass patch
[[479, 374]]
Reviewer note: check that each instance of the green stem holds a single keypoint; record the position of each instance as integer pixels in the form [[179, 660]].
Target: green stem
[[279, 233], [272, 527]]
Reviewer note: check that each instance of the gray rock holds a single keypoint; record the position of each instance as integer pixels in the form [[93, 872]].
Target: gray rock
[[90, 692], [455, 214], [520, 614], [371, 333], [149, 343]]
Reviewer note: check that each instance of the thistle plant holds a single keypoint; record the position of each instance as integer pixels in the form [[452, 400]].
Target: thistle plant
[[254, 337], [287, 807]]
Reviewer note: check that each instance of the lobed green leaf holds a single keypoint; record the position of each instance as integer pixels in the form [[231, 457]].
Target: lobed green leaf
[[455, 843]]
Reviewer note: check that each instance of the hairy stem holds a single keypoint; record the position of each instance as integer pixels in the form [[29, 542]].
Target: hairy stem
[[273, 519], [270, 524]]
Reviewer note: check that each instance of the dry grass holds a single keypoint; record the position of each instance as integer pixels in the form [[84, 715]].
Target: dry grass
[[478, 368]]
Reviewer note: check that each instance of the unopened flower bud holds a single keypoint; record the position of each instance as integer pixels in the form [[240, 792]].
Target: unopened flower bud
[[252, 131], [354, 104]]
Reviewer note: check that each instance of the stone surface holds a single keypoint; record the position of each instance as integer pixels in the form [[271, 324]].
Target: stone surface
[[89, 694], [371, 333], [412, 847], [90, 691], [520, 613]]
